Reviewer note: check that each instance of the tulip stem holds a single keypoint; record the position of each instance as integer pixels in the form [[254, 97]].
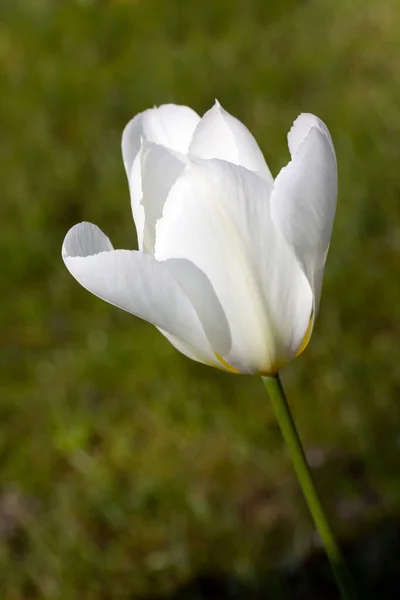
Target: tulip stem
[[288, 428]]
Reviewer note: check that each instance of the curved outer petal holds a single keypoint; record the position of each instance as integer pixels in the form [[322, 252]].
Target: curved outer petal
[[303, 200], [217, 216], [186, 350], [137, 283], [169, 125], [220, 135]]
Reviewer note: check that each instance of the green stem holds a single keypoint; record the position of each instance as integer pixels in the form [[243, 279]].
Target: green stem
[[278, 398]]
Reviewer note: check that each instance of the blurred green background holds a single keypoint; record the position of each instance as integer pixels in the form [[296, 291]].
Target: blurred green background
[[126, 469]]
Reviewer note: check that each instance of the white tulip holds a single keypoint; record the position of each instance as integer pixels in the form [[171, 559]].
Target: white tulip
[[230, 262]]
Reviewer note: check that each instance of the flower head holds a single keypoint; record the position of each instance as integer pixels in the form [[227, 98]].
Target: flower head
[[230, 262]]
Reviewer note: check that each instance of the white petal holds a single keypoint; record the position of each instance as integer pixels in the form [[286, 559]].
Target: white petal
[[135, 190], [217, 216], [185, 349], [303, 200], [220, 135], [169, 125], [300, 129], [160, 168], [135, 282], [154, 171]]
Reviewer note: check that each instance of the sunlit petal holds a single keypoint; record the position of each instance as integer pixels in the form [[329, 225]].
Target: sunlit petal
[[220, 135], [135, 282], [217, 217], [303, 200]]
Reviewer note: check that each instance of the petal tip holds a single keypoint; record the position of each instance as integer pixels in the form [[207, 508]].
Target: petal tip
[[217, 107], [85, 239], [302, 127]]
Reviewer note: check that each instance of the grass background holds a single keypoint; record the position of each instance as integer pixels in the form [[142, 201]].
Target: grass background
[[126, 469]]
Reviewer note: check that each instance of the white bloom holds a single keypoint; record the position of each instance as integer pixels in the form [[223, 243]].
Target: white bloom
[[230, 262]]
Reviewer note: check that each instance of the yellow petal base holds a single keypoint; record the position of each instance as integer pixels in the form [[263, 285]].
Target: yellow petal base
[[279, 364], [227, 366], [306, 337]]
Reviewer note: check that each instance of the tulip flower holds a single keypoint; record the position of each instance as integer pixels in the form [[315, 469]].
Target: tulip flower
[[230, 261]]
